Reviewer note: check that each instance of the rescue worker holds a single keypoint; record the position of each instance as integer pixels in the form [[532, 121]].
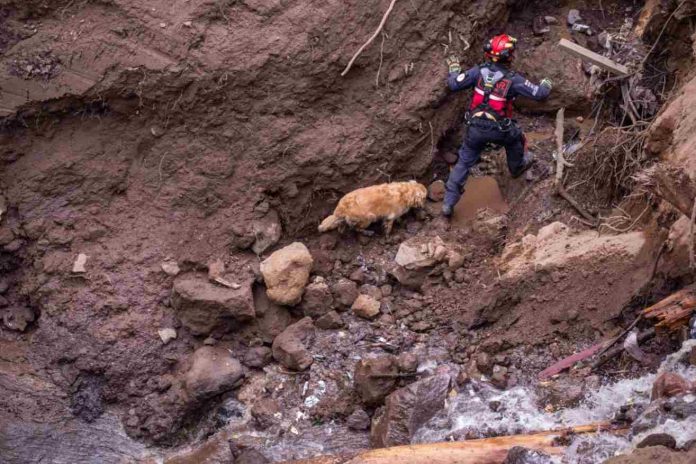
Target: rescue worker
[[489, 118]]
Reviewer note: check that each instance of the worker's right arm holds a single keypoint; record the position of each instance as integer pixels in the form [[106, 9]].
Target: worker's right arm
[[525, 88], [463, 79]]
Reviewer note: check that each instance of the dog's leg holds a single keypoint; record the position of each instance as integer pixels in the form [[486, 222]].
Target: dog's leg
[[388, 225]]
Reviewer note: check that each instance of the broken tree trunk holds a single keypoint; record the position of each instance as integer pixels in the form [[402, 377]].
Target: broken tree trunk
[[484, 451], [594, 58], [673, 312], [671, 184]]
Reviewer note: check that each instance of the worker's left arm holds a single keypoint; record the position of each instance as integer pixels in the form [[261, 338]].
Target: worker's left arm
[[458, 79], [525, 88]]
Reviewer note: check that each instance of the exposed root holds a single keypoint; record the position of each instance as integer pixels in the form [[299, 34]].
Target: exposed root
[[371, 39]]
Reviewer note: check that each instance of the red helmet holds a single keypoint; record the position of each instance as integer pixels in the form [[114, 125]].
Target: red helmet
[[500, 48]]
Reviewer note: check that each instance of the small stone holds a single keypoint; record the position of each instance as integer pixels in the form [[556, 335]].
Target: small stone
[[330, 321], [499, 376], [580, 119], [167, 335], [170, 268], [358, 276], [460, 275], [290, 347], [386, 290], [213, 371], [551, 20], [317, 299], [188, 23], [210, 341], [372, 291], [216, 269], [345, 292], [359, 420], [540, 26], [258, 357], [455, 260], [484, 363], [521, 455], [163, 25], [79, 264], [366, 307], [286, 273], [407, 362]]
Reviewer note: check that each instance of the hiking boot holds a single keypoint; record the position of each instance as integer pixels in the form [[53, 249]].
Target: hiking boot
[[529, 161], [447, 211]]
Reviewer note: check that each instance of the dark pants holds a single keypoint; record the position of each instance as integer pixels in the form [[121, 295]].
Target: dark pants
[[477, 137]]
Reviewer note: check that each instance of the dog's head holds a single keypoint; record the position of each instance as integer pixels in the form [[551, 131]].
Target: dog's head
[[418, 194]]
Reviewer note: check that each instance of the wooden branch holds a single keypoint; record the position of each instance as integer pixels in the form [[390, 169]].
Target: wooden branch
[[483, 451], [560, 160], [594, 58], [371, 39], [563, 193], [570, 361], [673, 312]]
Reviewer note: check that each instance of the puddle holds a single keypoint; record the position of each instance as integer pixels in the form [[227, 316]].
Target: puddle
[[481, 193]]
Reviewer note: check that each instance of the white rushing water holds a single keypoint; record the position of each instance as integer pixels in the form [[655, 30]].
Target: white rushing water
[[481, 411]]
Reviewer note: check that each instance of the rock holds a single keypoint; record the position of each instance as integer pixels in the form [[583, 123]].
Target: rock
[[267, 232], [573, 17], [669, 384], [551, 20], [386, 290], [167, 335], [366, 307], [251, 456], [540, 26], [317, 300], [371, 290], [564, 392], [6, 236], [258, 357], [286, 273], [375, 378], [18, 318], [213, 371], [79, 264], [484, 363], [170, 268], [436, 191], [658, 439], [358, 276], [330, 321], [412, 280], [359, 420], [345, 292], [460, 275], [421, 252], [271, 318], [408, 409], [407, 362], [202, 306], [455, 260], [290, 347], [499, 376], [265, 412], [520, 455], [652, 455], [216, 269]]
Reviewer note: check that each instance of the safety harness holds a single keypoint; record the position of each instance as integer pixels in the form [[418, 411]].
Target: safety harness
[[491, 103]]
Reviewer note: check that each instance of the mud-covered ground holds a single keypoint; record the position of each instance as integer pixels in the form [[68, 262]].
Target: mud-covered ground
[[143, 134]]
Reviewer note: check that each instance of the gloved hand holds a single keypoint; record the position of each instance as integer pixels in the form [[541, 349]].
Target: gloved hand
[[546, 82], [453, 64]]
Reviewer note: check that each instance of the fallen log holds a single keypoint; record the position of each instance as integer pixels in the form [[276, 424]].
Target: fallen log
[[483, 451]]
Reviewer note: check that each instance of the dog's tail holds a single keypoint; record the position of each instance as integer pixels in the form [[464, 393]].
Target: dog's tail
[[330, 223]]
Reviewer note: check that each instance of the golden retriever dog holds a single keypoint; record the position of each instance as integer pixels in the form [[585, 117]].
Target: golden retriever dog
[[387, 202]]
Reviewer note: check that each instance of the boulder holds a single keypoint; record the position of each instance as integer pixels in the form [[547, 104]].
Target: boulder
[[345, 292], [271, 318], [330, 321], [366, 307], [286, 273], [290, 347], [407, 409], [213, 371], [375, 379], [202, 305], [317, 299], [521, 455], [267, 232], [258, 357], [652, 455]]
